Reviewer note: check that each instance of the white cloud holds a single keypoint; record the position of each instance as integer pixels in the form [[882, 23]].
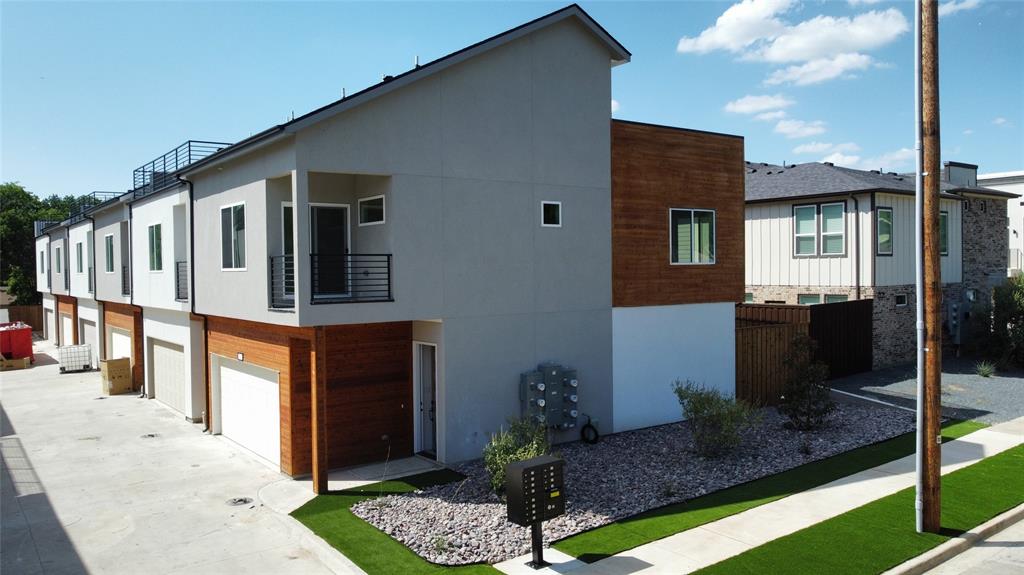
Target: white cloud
[[1000, 121], [615, 106], [954, 6], [895, 161], [819, 70], [840, 159], [799, 128], [861, 2], [771, 116], [968, 132], [755, 104], [819, 49], [822, 147]]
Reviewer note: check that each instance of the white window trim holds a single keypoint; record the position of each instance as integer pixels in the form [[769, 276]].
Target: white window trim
[[109, 261], [823, 233], [906, 300], [813, 234], [245, 235], [892, 229], [714, 236], [544, 203], [359, 211], [149, 248]]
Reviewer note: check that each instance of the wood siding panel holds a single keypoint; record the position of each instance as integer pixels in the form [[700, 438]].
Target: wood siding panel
[[129, 318], [655, 168]]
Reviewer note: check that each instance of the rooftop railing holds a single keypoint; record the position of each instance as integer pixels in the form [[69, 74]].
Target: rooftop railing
[[162, 171]]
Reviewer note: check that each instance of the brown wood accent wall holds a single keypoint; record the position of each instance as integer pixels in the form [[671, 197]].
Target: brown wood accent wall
[[67, 305], [127, 317], [271, 347], [655, 168]]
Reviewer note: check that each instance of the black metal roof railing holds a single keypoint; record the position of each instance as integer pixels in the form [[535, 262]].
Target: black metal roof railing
[[42, 225], [88, 201], [161, 172]]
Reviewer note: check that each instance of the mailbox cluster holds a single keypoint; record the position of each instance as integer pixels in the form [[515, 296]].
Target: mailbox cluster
[[535, 490], [549, 396]]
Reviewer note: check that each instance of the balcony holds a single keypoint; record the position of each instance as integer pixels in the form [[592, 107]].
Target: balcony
[[126, 281], [350, 278], [162, 172], [181, 281]]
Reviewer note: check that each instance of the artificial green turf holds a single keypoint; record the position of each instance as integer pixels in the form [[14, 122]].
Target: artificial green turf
[[881, 535], [658, 523], [374, 551]]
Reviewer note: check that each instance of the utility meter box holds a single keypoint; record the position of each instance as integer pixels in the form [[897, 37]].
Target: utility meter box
[[549, 396], [535, 490]]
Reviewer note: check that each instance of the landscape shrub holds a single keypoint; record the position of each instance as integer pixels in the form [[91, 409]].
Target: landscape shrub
[[985, 368], [805, 399], [994, 328], [524, 439], [716, 420]]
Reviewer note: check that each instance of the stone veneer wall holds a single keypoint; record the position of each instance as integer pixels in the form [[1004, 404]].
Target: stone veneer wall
[[986, 244]]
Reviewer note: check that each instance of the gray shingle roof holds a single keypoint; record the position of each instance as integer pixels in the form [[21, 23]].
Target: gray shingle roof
[[765, 182]]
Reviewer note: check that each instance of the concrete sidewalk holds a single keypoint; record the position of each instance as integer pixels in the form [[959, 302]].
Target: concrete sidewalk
[[708, 544], [1000, 554]]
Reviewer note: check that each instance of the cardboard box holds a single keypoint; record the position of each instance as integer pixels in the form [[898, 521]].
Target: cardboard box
[[116, 375], [9, 364]]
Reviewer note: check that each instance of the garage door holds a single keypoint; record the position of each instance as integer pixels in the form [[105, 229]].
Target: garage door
[[120, 344], [51, 330], [250, 408], [66, 329], [87, 335], [168, 373]]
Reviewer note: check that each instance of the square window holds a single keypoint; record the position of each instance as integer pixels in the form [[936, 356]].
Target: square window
[[551, 214], [748, 298], [901, 300], [692, 236], [835, 298], [833, 229], [808, 299], [371, 211], [805, 230]]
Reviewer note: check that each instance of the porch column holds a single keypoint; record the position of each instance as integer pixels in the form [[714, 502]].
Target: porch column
[[318, 396]]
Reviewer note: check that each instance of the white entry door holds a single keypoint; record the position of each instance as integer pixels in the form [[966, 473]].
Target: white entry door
[[87, 335], [168, 374], [67, 328], [250, 408], [51, 326], [120, 344]]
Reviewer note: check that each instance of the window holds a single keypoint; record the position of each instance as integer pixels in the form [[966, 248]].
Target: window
[[287, 225], [78, 257], [833, 229], [883, 225], [805, 230], [42, 262], [108, 248], [944, 233], [90, 251], [371, 211], [775, 301], [232, 237], [551, 214], [835, 298], [901, 300], [808, 299], [156, 260], [971, 295], [748, 298], [58, 259], [693, 236]]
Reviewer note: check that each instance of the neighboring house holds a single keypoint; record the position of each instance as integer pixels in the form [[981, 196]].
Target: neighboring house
[[371, 279], [820, 233], [1012, 182]]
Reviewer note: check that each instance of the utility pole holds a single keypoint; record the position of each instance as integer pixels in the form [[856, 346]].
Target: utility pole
[[929, 437]]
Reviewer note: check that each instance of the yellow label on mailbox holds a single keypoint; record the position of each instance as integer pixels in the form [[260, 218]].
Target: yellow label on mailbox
[[555, 494]]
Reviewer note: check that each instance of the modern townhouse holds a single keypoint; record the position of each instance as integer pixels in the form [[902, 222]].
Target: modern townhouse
[[1011, 182], [820, 233]]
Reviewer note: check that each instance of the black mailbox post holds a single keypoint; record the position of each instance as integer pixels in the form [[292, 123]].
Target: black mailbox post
[[534, 493]]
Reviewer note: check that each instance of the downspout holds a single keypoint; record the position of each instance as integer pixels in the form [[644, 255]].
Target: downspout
[[856, 245], [192, 295]]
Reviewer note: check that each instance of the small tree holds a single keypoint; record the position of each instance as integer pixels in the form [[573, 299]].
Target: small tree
[[1008, 320], [716, 420], [524, 439], [805, 400]]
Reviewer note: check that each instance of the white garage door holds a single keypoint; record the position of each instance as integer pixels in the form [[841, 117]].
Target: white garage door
[[51, 328], [168, 374], [87, 334], [66, 329], [250, 408], [120, 344]]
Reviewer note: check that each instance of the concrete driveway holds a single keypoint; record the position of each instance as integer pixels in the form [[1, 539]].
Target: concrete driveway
[[125, 485]]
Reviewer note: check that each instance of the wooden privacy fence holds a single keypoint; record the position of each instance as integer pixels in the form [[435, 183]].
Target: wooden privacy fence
[[30, 314], [764, 333]]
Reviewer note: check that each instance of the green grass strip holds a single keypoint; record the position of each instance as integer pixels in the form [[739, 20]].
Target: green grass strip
[[330, 517], [881, 535], [655, 524]]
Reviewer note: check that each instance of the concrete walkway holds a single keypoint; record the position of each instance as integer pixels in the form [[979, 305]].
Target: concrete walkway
[[126, 485], [702, 546], [1001, 554]]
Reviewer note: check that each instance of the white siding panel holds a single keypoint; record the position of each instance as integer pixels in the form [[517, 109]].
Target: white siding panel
[[898, 269]]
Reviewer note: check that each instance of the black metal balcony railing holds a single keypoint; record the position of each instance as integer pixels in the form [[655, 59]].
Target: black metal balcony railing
[[282, 281], [92, 281], [181, 281], [162, 172], [350, 278], [126, 281]]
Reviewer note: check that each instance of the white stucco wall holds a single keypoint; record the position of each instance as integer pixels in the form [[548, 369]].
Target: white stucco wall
[[157, 288], [80, 233], [42, 249], [176, 327], [652, 347]]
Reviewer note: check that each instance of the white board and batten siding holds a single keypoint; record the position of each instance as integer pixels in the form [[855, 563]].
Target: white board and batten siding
[[898, 269], [769, 258]]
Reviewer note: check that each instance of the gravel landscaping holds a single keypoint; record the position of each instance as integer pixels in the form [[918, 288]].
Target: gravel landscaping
[[623, 475]]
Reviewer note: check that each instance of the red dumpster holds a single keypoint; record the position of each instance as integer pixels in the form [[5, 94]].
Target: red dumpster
[[16, 341]]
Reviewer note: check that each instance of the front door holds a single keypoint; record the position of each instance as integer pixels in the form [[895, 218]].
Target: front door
[[329, 246], [428, 398]]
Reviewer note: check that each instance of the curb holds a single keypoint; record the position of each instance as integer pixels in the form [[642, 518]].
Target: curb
[[958, 545]]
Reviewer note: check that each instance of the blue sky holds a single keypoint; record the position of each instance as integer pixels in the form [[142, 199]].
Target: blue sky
[[92, 90]]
